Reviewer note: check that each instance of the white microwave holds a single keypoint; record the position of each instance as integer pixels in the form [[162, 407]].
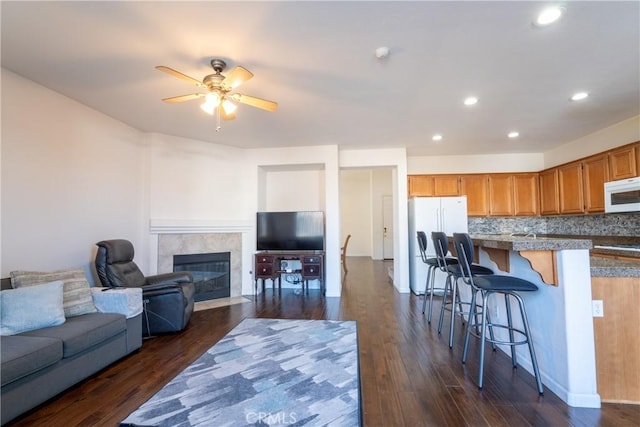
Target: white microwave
[[622, 196]]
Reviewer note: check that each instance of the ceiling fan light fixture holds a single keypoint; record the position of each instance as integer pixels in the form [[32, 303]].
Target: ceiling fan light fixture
[[229, 107], [212, 100]]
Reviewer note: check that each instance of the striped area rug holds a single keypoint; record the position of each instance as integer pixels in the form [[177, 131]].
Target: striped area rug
[[265, 372]]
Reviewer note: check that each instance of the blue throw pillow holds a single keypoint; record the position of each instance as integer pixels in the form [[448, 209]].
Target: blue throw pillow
[[29, 308]]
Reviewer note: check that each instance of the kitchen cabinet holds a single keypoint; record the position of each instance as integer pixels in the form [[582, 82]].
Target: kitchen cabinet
[[549, 197], [420, 185], [595, 172], [616, 337], [525, 194], [622, 162], [570, 188], [446, 185], [501, 195], [476, 188], [433, 185]]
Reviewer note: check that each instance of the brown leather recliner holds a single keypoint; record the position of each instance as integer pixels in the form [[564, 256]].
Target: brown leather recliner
[[168, 298]]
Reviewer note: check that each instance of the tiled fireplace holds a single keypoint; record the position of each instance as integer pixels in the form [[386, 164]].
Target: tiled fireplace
[[173, 244]]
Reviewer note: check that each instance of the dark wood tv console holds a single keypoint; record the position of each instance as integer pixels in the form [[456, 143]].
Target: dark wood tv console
[[269, 265]]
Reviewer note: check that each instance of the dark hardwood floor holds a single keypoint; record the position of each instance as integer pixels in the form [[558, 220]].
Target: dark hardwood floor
[[409, 376]]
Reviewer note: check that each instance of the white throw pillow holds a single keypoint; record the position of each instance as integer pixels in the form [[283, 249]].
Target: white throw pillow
[[31, 307]]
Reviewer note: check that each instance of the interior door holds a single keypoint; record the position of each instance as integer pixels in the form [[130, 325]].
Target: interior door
[[387, 223]]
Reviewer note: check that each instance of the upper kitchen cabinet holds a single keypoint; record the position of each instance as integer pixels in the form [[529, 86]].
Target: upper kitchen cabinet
[[623, 163], [446, 185], [433, 185], [549, 197], [595, 172], [476, 188], [501, 194], [420, 185], [571, 191], [525, 194]]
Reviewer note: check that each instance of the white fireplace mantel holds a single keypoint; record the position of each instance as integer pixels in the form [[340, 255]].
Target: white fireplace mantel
[[171, 226]]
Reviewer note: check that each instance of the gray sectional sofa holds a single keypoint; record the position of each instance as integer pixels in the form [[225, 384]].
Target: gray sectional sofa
[[38, 364]]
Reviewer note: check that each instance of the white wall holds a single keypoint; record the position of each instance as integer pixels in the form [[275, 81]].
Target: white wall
[[619, 134], [522, 162], [70, 177], [196, 180], [294, 189], [356, 211]]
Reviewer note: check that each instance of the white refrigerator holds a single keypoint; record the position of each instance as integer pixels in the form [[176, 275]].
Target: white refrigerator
[[448, 214]]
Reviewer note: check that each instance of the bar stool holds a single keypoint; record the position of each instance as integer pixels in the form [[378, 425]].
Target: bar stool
[[433, 265], [489, 286], [454, 272]]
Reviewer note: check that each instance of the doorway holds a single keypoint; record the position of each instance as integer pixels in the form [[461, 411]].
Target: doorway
[[362, 191], [387, 227]]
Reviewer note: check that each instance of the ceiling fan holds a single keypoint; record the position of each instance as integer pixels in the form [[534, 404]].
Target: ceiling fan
[[219, 97]]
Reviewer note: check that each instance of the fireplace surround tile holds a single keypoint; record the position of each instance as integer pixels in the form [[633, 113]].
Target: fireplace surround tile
[[194, 243]]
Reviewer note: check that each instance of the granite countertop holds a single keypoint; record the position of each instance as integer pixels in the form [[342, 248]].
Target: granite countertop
[[611, 240], [611, 267], [521, 242], [600, 266]]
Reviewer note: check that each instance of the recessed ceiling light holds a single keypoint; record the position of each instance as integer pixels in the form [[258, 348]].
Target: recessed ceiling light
[[382, 52], [549, 16], [578, 96], [470, 100], [437, 137], [513, 134]]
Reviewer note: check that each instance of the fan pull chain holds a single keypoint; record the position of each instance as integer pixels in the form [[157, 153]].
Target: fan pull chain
[[218, 127]]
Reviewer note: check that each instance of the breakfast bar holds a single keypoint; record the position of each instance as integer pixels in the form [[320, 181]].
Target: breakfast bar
[[560, 313]]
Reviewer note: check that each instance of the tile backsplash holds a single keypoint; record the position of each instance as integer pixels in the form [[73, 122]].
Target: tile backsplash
[[625, 224]]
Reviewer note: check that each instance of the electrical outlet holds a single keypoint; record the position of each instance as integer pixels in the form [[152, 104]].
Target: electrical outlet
[[598, 308]]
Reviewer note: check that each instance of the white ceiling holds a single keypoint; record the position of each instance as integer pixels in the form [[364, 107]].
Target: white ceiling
[[316, 59]]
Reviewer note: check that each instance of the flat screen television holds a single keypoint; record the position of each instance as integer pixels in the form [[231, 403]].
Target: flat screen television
[[290, 231]]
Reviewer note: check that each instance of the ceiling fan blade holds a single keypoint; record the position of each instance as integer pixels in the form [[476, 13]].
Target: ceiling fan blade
[[236, 77], [179, 75], [182, 98], [255, 102]]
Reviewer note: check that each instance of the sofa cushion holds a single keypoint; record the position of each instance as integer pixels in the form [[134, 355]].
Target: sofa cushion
[[31, 308], [77, 298], [22, 356], [81, 333]]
